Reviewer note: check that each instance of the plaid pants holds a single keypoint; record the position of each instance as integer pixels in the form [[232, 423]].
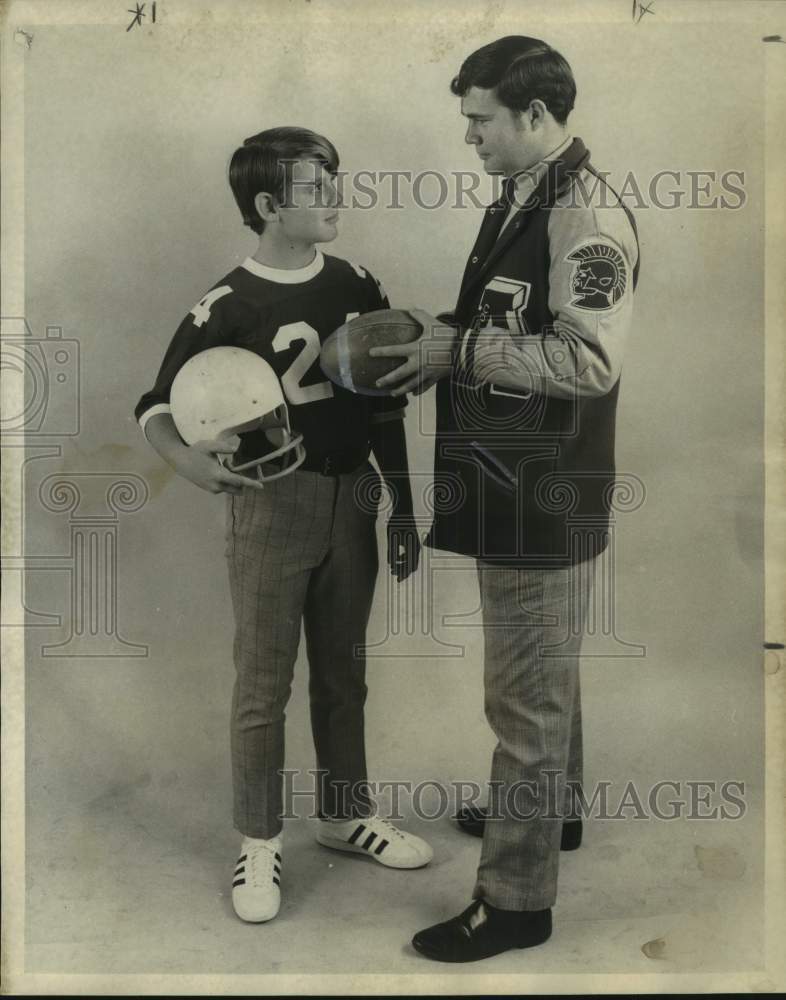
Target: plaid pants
[[533, 621], [301, 549]]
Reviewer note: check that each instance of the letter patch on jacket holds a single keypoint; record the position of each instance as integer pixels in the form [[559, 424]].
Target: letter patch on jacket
[[503, 303], [599, 277]]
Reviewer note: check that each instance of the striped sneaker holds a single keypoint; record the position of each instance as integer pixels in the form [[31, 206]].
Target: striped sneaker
[[256, 895], [377, 838]]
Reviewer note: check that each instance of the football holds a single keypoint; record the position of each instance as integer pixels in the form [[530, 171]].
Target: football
[[345, 354]]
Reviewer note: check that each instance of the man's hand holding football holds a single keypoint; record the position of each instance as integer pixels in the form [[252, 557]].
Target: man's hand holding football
[[426, 360]]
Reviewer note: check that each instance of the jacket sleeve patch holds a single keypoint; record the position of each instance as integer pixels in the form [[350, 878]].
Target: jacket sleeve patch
[[600, 276]]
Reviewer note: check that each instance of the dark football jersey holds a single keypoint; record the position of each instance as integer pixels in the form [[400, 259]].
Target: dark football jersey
[[285, 316]]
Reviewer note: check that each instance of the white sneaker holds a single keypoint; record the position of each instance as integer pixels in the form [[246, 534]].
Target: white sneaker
[[256, 895], [377, 838]]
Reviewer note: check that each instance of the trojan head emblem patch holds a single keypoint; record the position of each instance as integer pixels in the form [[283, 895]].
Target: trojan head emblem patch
[[599, 276]]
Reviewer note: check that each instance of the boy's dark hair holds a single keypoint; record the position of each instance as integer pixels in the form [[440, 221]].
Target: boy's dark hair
[[520, 69], [264, 163]]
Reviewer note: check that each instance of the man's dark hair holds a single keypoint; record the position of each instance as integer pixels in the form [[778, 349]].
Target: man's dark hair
[[264, 163], [519, 70]]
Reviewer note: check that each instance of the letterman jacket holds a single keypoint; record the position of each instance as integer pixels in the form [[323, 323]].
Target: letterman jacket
[[524, 456]]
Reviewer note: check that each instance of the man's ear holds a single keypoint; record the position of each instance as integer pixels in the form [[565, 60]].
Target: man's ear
[[536, 113], [266, 206]]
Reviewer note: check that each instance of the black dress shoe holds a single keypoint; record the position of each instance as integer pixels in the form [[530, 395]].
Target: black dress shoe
[[472, 820], [481, 931]]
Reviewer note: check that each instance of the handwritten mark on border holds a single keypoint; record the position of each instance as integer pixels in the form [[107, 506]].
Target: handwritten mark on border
[[139, 13], [640, 9]]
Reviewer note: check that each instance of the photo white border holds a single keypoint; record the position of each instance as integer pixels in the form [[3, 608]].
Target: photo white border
[[765, 18]]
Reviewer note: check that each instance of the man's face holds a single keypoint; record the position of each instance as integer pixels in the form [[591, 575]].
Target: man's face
[[311, 212], [502, 138]]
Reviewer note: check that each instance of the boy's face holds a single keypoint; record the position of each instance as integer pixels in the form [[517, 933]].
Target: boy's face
[[310, 214]]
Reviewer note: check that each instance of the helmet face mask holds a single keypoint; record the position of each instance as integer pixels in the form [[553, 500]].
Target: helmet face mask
[[287, 449], [227, 391]]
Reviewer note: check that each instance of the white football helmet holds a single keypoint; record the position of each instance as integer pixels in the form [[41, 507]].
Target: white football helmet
[[229, 390]]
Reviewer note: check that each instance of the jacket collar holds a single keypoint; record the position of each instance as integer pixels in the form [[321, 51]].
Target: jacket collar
[[557, 177]]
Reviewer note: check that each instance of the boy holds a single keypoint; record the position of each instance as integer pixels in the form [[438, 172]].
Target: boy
[[301, 546]]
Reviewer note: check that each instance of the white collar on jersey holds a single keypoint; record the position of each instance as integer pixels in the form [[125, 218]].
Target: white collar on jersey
[[286, 276]]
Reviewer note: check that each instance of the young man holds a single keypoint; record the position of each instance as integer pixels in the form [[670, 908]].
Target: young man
[[528, 367], [304, 545]]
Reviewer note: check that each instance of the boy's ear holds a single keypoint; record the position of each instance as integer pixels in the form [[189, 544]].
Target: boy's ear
[[266, 206]]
